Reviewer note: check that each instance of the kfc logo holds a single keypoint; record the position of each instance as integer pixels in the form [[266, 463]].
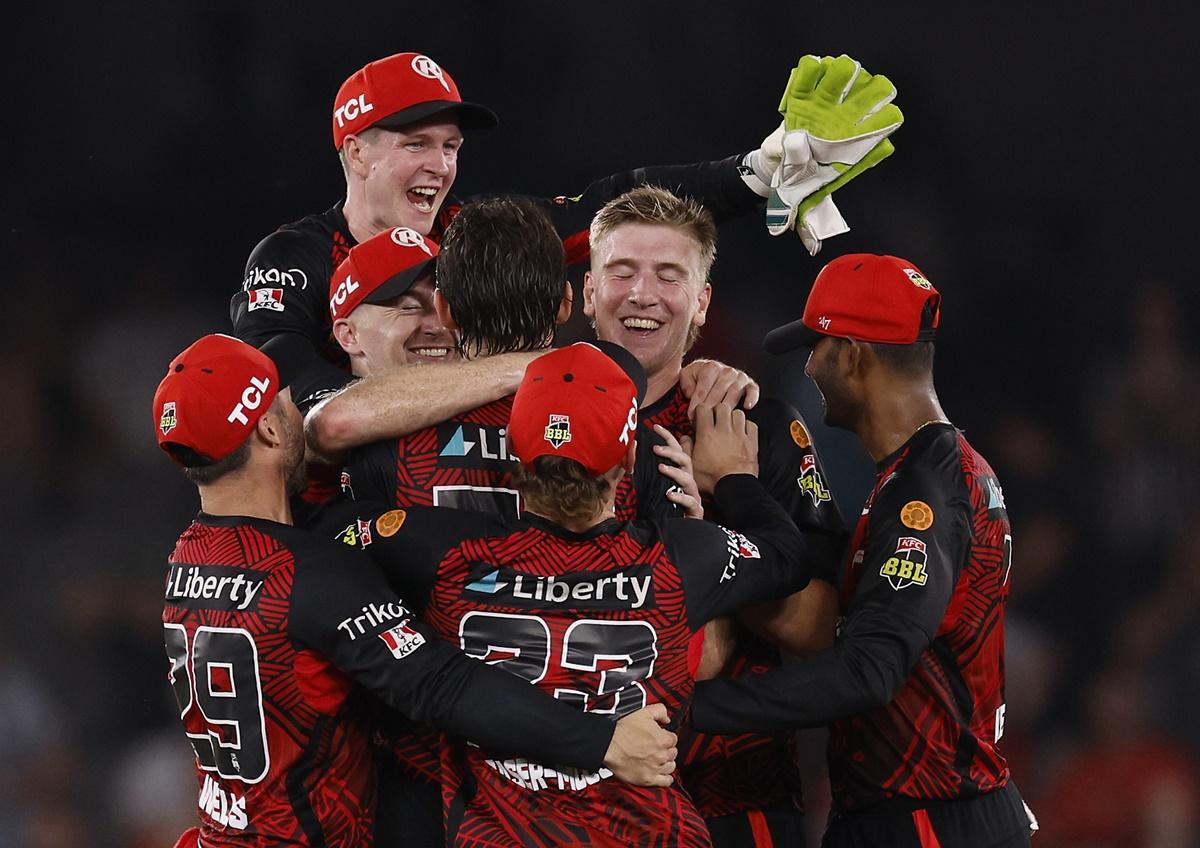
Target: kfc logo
[[266, 299], [402, 640]]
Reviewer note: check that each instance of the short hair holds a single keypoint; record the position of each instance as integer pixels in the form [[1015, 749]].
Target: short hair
[[561, 489], [652, 205], [503, 272], [202, 472], [906, 360]]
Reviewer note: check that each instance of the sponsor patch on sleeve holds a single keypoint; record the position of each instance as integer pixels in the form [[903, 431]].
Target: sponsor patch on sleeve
[[906, 567], [402, 640], [739, 547], [390, 522], [917, 515], [266, 299], [800, 434]]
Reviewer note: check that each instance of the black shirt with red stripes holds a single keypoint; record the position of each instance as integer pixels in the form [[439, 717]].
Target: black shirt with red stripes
[[914, 686], [601, 619], [268, 629], [747, 771], [286, 283], [462, 462]]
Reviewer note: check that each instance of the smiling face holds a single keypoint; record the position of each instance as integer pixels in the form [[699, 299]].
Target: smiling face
[[407, 172], [646, 291], [404, 331]]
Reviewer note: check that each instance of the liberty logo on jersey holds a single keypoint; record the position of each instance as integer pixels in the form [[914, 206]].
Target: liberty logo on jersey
[[558, 431], [628, 588], [473, 446]]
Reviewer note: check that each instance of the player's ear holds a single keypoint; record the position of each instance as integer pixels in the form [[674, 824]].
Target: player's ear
[[589, 295], [442, 308], [704, 299], [566, 304], [354, 155], [346, 336]]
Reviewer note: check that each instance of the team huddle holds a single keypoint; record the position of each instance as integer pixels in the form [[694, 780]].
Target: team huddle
[[453, 585]]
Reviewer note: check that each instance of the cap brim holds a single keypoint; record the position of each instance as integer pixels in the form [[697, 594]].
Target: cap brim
[[394, 286], [791, 336], [471, 116]]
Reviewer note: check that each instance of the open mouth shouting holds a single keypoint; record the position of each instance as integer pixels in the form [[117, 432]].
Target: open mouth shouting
[[423, 198]]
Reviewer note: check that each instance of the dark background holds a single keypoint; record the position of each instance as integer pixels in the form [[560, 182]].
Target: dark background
[[1043, 181]]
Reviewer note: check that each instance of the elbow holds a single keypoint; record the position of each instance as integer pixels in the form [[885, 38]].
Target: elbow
[[330, 430]]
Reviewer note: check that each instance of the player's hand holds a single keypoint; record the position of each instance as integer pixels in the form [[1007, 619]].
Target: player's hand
[[710, 382], [642, 752], [677, 467], [726, 443]]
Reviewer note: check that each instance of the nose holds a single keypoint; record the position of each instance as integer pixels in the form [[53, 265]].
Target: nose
[[643, 291], [430, 324], [438, 161], [808, 365]]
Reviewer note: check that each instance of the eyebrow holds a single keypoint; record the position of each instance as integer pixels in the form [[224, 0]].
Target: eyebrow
[[658, 266]]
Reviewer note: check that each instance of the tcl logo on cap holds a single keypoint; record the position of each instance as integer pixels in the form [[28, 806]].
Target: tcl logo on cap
[[345, 288], [252, 397], [352, 108]]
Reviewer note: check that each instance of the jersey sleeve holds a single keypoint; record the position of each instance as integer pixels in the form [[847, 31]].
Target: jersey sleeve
[[920, 530], [724, 569], [343, 608], [370, 472], [716, 184], [285, 291], [791, 471]]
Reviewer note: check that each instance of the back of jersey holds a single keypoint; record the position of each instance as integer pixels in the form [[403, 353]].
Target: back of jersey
[[595, 619], [278, 757], [462, 463]]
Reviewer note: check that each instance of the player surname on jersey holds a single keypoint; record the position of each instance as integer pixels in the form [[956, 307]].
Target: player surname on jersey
[[535, 776]]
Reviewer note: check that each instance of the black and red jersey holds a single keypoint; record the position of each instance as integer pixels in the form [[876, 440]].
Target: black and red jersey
[[286, 283], [747, 771], [601, 620], [462, 463], [267, 628], [914, 686]]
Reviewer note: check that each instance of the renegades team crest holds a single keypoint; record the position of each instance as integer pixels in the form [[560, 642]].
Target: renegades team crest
[[558, 431], [167, 422], [906, 567]]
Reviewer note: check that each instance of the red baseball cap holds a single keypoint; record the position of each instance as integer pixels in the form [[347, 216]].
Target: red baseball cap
[[581, 402], [212, 397], [867, 297], [401, 89], [383, 267]]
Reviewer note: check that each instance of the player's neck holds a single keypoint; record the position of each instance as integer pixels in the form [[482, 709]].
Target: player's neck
[[892, 418], [662, 382], [248, 496], [358, 218]]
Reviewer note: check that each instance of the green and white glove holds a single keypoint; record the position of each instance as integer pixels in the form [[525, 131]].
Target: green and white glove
[[836, 121]]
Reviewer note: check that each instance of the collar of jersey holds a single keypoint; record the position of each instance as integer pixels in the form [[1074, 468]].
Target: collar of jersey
[[610, 527]]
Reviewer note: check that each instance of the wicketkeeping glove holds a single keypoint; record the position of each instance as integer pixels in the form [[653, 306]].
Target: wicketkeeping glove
[[836, 121]]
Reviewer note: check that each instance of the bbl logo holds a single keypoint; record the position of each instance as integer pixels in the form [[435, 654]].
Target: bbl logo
[[906, 567], [917, 280], [167, 422], [558, 431], [810, 481]]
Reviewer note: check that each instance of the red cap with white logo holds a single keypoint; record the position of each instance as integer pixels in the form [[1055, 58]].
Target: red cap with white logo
[[383, 267], [867, 297], [580, 402], [213, 395], [399, 90]]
